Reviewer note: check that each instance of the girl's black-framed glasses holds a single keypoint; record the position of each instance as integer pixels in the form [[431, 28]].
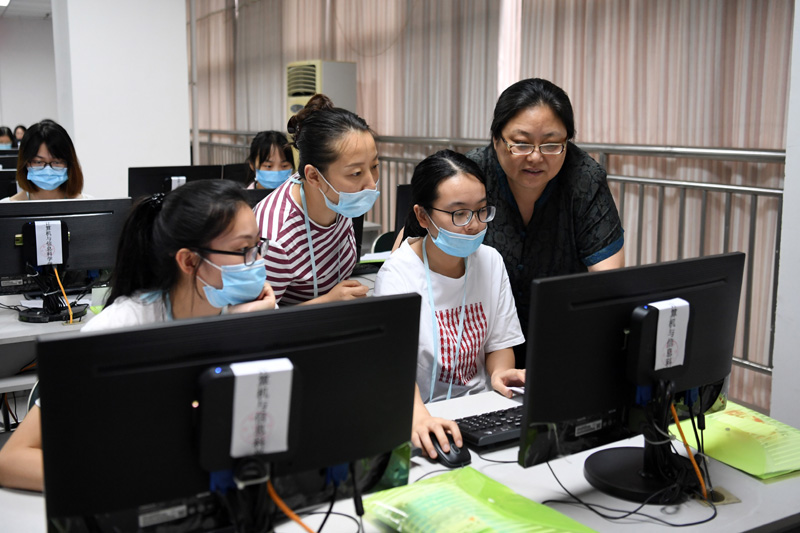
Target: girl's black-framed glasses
[[249, 254]]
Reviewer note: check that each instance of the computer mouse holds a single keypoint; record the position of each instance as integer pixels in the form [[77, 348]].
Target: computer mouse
[[455, 457]]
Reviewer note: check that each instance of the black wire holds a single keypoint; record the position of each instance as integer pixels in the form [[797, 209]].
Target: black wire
[[637, 513], [330, 508], [494, 460], [626, 514], [432, 472], [351, 517]]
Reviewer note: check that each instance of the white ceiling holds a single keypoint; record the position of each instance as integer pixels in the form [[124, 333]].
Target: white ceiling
[[38, 9]]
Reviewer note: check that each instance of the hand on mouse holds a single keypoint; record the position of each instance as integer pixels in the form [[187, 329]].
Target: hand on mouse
[[426, 427], [423, 424]]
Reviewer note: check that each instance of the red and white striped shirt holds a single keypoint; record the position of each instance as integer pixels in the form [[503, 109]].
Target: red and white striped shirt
[[289, 268]]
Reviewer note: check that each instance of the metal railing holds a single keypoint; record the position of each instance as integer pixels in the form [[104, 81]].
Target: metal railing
[[711, 218]]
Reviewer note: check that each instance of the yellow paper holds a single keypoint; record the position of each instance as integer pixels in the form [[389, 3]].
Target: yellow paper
[[749, 441]]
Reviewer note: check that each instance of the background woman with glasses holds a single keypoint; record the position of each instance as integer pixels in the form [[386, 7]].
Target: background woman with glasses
[[468, 323], [555, 213], [47, 166]]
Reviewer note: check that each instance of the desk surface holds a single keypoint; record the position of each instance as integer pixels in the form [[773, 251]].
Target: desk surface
[[17, 338], [763, 507]]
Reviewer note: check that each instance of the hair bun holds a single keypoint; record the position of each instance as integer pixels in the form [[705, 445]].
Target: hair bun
[[318, 102]]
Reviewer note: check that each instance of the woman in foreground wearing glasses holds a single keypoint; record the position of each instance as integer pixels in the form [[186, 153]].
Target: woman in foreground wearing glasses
[[468, 324], [191, 253], [555, 212], [47, 166]]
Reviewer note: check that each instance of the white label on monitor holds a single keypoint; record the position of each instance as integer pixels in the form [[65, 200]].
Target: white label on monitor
[[262, 397], [177, 181], [160, 516], [588, 427], [673, 322], [48, 243]]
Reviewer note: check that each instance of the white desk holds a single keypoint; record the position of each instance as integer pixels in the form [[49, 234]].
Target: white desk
[[17, 338], [764, 507]]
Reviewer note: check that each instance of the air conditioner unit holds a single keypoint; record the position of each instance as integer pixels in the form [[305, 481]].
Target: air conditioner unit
[[335, 79]]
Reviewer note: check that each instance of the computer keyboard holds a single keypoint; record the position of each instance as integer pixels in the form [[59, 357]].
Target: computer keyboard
[[487, 429], [361, 269]]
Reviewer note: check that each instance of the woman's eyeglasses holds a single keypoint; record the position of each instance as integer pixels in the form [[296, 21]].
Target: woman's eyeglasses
[[462, 217], [525, 149], [55, 165], [250, 254]]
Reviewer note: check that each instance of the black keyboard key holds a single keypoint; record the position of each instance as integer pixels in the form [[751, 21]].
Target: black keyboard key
[[491, 428]]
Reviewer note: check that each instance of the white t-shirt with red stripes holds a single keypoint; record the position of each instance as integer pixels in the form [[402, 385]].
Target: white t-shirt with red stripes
[[490, 320], [289, 269]]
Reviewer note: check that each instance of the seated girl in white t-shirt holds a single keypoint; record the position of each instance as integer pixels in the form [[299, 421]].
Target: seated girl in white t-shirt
[[468, 322], [193, 252]]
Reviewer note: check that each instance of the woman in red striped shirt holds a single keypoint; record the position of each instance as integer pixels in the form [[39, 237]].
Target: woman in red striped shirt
[[312, 246]]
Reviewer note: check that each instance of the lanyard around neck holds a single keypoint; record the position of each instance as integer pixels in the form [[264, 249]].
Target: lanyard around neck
[[434, 323], [311, 243]]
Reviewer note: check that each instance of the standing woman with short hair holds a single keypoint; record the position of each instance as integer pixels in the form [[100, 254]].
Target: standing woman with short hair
[[555, 212], [308, 219], [47, 165]]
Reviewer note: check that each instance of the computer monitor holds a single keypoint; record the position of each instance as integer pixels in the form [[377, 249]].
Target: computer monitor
[[146, 181], [8, 182], [8, 160], [119, 429], [588, 350], [93, 228], [256, 195], [236, 172]]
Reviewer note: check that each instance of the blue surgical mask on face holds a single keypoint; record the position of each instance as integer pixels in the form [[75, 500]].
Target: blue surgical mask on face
[[240, 283], [48, 178], [271, 179], [5, 146], [351, 204], [457, 244]]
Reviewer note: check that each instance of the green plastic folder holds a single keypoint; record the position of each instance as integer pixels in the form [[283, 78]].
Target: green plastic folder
[[464, 501], [748, 441]]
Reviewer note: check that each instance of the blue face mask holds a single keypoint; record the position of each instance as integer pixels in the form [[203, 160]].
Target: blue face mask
[[5, 146], [271, 179], [457, 244], [48, 178], [240, 283], [351, 204]]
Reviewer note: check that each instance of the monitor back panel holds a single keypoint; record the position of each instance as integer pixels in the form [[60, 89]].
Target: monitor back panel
[[94, 229], [146, 181]]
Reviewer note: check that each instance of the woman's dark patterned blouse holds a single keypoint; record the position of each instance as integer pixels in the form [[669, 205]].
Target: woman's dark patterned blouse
[[575, 222]]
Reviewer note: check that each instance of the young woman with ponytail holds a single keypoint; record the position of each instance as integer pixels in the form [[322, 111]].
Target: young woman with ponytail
[[308, 219], [193, 252]]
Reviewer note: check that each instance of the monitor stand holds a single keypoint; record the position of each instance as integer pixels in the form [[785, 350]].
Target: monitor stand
[[655, 473], [633, 474], [43, 316]]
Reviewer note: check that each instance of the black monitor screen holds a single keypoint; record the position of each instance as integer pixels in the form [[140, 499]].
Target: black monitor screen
[[94, 229], [579, 346], [236, 172], [8, 160], [146, 181], [119, 428], [8, 183]]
